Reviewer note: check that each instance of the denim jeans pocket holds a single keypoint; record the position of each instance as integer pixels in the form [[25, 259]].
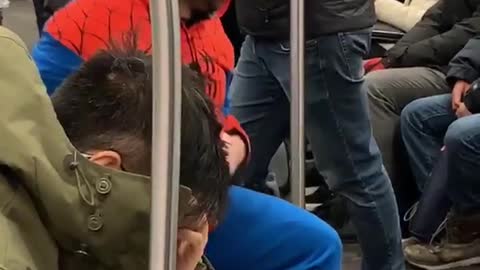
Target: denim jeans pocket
[[285, 47], [355, 47]]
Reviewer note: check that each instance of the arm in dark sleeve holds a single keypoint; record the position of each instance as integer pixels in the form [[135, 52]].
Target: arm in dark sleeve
[[440, 49], [429, 26], [465, 65]]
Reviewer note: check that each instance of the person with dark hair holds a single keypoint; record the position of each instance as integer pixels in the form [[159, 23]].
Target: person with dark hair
[[435, 129], [75, 194], [63, 46], [250, 217], [105, 109]]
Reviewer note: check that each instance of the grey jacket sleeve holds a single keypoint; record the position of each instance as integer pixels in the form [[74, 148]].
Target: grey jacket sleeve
[[466, 64]]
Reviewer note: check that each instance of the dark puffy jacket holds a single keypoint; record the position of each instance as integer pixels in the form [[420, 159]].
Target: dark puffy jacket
[[270, 19], [443, 31], [466, 64]]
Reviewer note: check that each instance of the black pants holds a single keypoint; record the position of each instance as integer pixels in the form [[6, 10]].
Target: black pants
[[42, 13]]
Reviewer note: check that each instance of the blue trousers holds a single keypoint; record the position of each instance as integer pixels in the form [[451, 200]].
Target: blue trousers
[[262, 232], [337, 126], [427, 125]]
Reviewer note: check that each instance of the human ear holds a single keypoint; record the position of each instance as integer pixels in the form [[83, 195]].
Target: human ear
[[109, 159]]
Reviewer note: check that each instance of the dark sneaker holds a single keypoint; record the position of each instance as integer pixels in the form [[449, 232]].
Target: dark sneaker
[[320, 196], [459, 248]]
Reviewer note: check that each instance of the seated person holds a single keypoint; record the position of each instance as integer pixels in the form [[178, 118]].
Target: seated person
[[415, 67], [68, 207], [250, 217], [446, 121], [205, 48], [80, 200]]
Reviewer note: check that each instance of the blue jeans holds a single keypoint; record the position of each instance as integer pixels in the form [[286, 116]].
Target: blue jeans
[[427, 125], [337, 126], [262, 232]]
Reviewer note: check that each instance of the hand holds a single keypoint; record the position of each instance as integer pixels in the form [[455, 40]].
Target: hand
[[459, 90], [373, 64], [462, 111], [191, 246], [235, 149]]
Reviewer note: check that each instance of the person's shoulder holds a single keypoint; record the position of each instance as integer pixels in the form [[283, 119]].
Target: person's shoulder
[[7, 36], [13, 50]]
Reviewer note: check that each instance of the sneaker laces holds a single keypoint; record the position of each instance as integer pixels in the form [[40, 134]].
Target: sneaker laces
[[437, 232], [410, 212]]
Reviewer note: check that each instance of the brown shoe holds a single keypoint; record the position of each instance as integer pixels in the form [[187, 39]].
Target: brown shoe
[[460, 248], [409, 242]]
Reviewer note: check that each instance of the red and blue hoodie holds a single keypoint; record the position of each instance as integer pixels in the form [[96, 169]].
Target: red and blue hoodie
[[77, 31]]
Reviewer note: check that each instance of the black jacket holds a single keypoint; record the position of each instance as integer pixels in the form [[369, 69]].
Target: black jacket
[[270, 19], [443, 31], [465, 65]]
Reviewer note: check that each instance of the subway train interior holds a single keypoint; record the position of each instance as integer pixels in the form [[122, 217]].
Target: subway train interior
[[293, 177]]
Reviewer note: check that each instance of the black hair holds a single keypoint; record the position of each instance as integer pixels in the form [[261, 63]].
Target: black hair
[[107, 105]]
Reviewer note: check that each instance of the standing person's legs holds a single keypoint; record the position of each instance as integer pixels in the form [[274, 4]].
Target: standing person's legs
[[389, 91], [338, 129], [261, 232], [423, 124], [261, 106]]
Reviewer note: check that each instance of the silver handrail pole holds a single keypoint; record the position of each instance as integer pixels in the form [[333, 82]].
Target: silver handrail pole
[[166, 133], [297, 133]]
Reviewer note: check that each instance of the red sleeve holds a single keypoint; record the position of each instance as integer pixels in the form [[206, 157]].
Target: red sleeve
[[232, 126], [223, 9]]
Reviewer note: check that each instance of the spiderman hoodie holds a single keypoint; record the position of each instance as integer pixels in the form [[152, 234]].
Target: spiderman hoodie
[[77, 31]]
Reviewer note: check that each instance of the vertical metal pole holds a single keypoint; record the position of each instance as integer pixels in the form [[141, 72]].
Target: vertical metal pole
[[297, 134], [166, 133]]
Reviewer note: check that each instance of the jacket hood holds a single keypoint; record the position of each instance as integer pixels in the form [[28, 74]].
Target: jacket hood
[[87, 209]]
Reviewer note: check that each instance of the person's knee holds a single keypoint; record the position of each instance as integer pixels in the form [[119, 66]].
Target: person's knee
[[411, 116], [323, 245], [378, 87], [459, 134]]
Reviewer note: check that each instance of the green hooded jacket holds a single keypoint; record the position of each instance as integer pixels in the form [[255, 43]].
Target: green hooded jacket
[[58, 210]]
